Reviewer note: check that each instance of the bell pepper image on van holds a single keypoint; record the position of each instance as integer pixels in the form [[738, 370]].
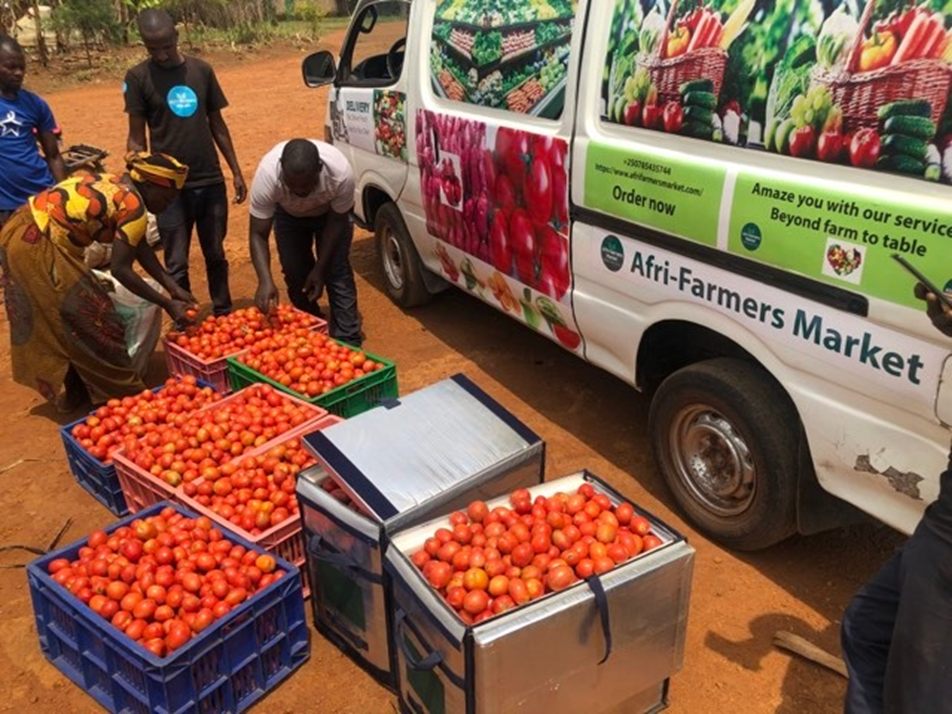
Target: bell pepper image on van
[[668, 76], [823, 88]]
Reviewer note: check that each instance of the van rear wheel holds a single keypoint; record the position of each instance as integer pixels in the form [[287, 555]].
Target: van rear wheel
[[399, 260], [725, 436]]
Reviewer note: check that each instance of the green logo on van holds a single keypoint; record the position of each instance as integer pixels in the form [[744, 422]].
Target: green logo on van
[[613, 254], [751, 237]]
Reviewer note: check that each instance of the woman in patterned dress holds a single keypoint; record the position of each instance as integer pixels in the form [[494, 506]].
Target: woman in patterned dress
[[64, 330]]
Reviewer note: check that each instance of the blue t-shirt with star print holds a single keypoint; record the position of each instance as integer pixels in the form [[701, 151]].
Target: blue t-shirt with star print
[[23, 170]]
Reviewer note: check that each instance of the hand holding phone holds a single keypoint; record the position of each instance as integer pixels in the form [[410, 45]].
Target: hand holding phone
[[920, 276]]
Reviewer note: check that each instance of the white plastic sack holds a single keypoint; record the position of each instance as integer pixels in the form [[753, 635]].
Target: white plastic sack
[[142, 319]]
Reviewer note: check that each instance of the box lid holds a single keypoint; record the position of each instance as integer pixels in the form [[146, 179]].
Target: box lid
[[406, 452]]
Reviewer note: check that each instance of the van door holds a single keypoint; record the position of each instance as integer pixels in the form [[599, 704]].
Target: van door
[[492, 105], [366, 105]]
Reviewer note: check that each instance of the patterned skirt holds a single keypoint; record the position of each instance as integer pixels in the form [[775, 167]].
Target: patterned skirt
[[59, 316]]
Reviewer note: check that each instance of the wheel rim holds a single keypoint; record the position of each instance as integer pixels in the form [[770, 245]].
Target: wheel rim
[[712, 460], [393, 263]]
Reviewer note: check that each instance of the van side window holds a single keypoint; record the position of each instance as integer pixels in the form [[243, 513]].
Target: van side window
[[514, 57], [374, 54]]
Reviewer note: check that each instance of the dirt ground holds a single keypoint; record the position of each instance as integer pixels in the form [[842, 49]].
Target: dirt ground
[[588, 419]]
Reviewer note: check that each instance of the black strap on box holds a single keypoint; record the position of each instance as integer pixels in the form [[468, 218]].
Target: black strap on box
[[421, 665], [322, 552], [601, 604]]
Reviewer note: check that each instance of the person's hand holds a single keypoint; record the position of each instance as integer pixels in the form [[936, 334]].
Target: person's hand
[[180, 293], [314, 285], [182, 312], [266, 297], [939, 314], [241, 191]]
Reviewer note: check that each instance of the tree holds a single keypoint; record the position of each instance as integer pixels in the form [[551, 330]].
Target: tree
[[94, 20]]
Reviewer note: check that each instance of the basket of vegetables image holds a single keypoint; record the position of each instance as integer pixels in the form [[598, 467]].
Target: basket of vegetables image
[[904, 57], [693, 48]]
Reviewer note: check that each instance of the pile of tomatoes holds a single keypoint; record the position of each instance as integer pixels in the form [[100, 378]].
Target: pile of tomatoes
[[226, 335], [489, 561], [310, 364], [202, 443], [341, 496], [163, 579], [257, 492], [104, 431]]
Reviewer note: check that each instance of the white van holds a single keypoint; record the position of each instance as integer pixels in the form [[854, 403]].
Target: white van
[[702, 200]]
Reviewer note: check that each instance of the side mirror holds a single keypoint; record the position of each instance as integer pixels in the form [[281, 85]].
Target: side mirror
[[319, 69]]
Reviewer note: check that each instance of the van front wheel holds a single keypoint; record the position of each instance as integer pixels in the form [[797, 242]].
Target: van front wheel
[[725, 436], [399, 260]]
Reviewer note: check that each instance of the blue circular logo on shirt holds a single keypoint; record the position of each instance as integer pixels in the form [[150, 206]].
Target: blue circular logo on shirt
[[182, 101]]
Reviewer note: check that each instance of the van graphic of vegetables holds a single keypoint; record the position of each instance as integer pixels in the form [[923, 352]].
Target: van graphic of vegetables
[[866, 85], [673, 81], [390, 124]]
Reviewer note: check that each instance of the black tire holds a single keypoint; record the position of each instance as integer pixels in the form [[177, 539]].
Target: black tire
[[729, 414], [399, 261]]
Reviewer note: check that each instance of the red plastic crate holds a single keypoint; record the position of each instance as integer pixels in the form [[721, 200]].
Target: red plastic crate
[[141, 489], [180, 361], [285, 540]]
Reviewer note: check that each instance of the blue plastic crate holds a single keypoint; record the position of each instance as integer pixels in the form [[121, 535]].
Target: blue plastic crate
[[225, 669], [99, 479]]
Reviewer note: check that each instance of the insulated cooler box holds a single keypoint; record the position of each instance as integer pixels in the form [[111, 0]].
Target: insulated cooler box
[[607, 645], [431, 452]]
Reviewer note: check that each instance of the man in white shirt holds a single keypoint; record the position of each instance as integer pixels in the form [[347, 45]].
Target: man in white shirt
[[305, 189]]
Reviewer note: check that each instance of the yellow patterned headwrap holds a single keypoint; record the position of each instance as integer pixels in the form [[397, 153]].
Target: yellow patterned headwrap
[[160, 169]]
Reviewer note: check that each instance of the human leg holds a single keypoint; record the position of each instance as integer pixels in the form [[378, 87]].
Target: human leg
[[919, 671], [344, 323], [866, 636], [175, 229], [294, 238], [210, 209]]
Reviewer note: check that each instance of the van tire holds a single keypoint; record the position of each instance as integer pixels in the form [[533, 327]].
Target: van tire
[[729, 413], [399, 261]]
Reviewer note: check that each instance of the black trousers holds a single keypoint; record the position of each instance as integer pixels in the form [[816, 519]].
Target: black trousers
[[897, 632], [206, 210], [299, 242]]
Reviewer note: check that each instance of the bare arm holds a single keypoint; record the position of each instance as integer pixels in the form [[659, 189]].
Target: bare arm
[[146, 257], [223, 139], [136, 139], [51, 151], [259, 233], [123, 256]]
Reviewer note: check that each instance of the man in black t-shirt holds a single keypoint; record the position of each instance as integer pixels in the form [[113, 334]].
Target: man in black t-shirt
[[180, 101], [897, 631]]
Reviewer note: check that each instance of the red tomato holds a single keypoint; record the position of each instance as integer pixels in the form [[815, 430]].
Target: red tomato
[[537, 190], [522, 235], [512, 153], [559, 578], [476, 601]]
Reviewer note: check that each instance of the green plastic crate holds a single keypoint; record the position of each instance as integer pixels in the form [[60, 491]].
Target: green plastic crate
[[345, 401]]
